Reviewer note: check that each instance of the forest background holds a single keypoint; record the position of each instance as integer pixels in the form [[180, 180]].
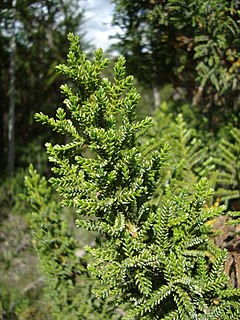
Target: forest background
[[183, 63]]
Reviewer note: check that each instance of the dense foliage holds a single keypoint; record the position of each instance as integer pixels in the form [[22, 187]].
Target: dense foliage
[[156, 254], [67, 280], [156, 202], [173, 42]]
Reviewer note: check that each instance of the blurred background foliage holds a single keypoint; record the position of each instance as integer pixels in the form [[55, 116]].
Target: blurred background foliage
[[185, 57]]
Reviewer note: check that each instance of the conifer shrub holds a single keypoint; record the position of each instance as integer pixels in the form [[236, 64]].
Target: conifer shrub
[[68, 285], [155, 253], [189, 158]]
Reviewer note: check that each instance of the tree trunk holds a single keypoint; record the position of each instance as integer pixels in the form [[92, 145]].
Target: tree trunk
[[156, 97], [11, 115]]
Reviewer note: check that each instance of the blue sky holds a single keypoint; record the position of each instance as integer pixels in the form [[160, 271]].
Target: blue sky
[[98, 16]]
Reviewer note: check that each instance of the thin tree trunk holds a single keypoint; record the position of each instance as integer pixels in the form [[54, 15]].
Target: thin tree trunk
[[11, 115], [156, 97]]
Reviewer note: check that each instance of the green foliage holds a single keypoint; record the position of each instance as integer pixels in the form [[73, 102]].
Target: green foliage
[[188, 153], [173, 42], [9, 191], [156, 257], [21, 281], [68, 290], [227, 161], [189, 156], [114, 170], [14, 306], [162, 266], [228, 165]]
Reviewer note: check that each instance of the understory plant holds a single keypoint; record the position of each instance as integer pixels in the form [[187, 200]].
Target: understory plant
[[67, 281], [227, 161], [154, 256]]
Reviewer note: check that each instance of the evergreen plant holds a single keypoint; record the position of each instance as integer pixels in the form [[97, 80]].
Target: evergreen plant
[[193, 45], [68, 285], [155, 256], [227, 161], [228, 166]]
